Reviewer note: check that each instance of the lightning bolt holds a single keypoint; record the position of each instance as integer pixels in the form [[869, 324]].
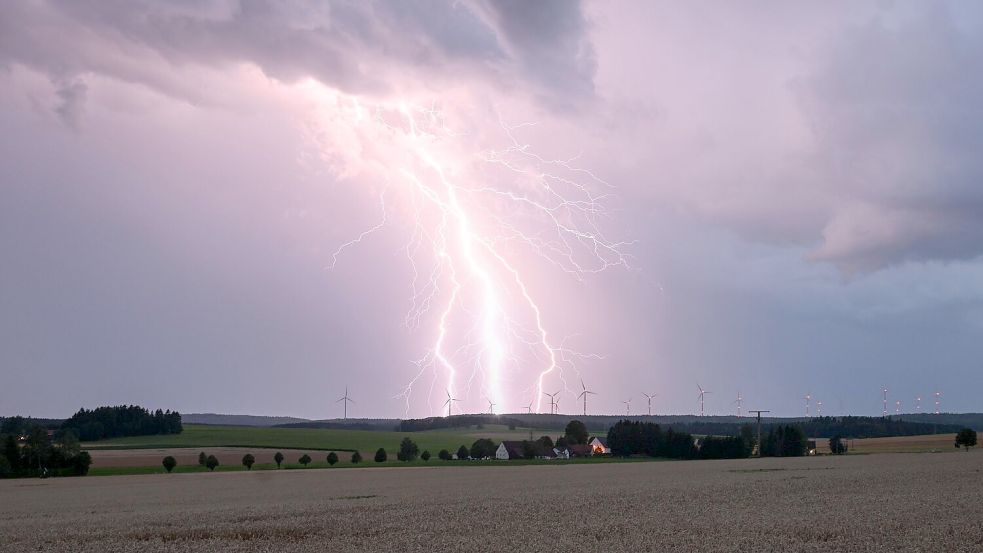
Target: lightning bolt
[[473, 214]]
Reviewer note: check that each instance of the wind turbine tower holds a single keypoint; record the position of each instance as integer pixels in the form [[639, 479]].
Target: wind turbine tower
[[808, 398], [553, 401], [584, 395], [897, 407], [819, 409], [345, 400], [918, 404], [491, 406], [739, 403], [649, 398], [529, 408], [450, 402], [885, 402], [937, 396], [702, 393], [627, 407]]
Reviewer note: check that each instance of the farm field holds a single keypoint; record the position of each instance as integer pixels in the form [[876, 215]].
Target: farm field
[[317, 439], [746, 505], [904, 444]]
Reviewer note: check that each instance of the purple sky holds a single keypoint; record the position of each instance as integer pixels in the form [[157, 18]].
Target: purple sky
[[774, 199]]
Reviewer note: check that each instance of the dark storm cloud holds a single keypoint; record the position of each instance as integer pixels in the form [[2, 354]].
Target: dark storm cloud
[[355, 46]]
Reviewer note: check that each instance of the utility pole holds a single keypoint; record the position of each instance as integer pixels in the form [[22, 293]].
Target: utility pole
[[758, 413]]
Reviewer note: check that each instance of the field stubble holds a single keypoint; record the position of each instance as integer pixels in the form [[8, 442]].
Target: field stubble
[[903, 502]]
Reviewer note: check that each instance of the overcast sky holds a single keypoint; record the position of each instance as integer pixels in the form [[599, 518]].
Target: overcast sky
[[765, 198]]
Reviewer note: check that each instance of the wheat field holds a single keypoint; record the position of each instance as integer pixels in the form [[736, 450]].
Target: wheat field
[[898, 502]]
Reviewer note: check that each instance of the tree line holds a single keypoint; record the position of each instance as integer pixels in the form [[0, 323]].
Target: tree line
[[122, 420], [627, 438], [39, 455]]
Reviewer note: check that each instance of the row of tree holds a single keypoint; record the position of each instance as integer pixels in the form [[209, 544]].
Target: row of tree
[[122, 420], [40, 456]]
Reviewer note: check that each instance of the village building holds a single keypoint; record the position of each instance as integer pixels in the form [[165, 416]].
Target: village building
[[599, 446]]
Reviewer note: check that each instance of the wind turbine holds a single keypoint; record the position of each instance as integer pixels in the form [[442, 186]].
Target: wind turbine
[[702, 393], [897, 407], [808, 398], [529, 408], [649, 398], [553, 401], [346, 401], [918, 404], [819, 409], [627, 407], [739, 402], [491, 406], [450, 401], [937, 396], [885, 402], [584, 395]]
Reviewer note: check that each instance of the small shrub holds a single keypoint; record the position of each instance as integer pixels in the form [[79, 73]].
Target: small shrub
[[211, 462], [248, 460], [444, 455], [305, 459], [169, 463], [81, 463], [202, 458], [425, 455], [408, 450], [332, 458], [278, 459], [356, 458], [462, 452], [380, 455]]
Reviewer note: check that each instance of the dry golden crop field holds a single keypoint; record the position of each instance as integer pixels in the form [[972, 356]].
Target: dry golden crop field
[[905, 444], [902, 502], [189, 455]]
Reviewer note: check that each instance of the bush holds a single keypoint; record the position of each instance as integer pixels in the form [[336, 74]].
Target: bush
[[248, 460], [202, 458], [356, 458], [966, 438], [444, 455], [278, 459], [81, 463], [462, 452], [332, 458], [211, 462], [836, 445], [305, 459], [408, 450], [425, 455], [169, 463], [380, 455]]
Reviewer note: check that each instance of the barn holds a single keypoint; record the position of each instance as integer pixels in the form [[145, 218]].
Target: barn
[[599, 446]]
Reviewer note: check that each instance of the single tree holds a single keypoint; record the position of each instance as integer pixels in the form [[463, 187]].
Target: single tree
[[425, 455], [408, 451], [248, 460], [444, 455], [356, 458], [380, 455], [202, 458], [462, 452], [68, 443], [278, 459], [966, 438], [305, 459], [836, 445], [545, 443], [211, 462], [169, 463], [332, 458], [482, 448], [576, 432]]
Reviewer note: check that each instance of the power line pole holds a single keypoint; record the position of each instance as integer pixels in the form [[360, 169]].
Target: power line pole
[[758, 413]]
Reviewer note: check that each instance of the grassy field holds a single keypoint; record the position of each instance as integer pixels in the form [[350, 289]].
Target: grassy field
[[320, 439], [902, 502]]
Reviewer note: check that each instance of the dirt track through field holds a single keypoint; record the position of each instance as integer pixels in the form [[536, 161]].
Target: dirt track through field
[[898, 502]]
